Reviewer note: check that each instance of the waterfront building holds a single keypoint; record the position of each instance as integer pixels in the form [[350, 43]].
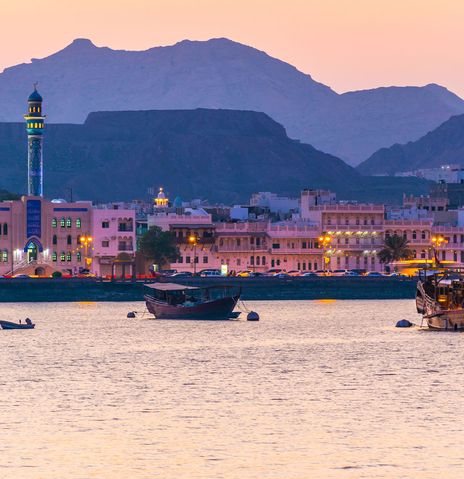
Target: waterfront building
[[40, 236]]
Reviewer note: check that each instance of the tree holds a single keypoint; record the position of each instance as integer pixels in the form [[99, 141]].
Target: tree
[[159, 246], [395, 249]]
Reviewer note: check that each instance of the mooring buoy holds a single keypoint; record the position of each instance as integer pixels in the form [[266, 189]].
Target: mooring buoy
[[131, 314], [404, 323], [252, 316]]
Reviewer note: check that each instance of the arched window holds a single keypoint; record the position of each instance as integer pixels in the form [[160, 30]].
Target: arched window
[[78, 223], [54, 256], [423, 236], [55, 239], [54, 223], [5, 228], [62, 256], [414, 235], [79, 256], [62, 222], [68, 256], [263, 260], [257, 260], [68, 223], [69, 239]]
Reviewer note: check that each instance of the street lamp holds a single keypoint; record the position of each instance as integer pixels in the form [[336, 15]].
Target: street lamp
[[437, 242], [193, 240], [86, 240], [325, 240]]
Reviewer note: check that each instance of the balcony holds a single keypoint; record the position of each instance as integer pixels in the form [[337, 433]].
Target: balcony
[[125, 228]]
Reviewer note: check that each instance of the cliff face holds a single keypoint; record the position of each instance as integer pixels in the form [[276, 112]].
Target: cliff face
[[220, 73], [444, 145], [221, 155]]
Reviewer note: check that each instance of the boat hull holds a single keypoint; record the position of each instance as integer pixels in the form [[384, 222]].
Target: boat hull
[[218, 309], [448, 320], [11, 325]]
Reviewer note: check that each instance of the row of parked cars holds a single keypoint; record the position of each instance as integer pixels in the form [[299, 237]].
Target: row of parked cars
[[276, 272]]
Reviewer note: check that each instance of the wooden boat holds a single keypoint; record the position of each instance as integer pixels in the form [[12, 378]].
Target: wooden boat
[[10, 325], [440, 299], [177, 301]]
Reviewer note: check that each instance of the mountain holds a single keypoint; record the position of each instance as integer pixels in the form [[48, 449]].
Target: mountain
[[222, 74], [441, 146], [222, 155]]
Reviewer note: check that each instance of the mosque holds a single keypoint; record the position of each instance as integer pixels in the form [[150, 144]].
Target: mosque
[[40, 236]]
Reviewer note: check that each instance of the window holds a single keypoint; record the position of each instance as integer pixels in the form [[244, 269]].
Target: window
[[68, 256], [5, 229], [5, 256], [258, 260], [68, 223], [443, 255], [62, 256], [238, 262], [180, 259], [54, 223], [414, 235], [79, 256], [105, 244], [187, 259], [78, 223], [54, 256], [276, 245], [55, 239], [78, 239], [263, 260], [303, 245], [62, 222], [238, 241], [205, 259], [105, 224], [69, 239], [423, 235]]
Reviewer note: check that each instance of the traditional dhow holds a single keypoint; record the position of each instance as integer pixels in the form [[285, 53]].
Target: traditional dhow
[[440, 299], [177, 301]]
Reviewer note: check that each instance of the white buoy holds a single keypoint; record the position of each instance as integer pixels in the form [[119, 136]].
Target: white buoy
[[252, 316]]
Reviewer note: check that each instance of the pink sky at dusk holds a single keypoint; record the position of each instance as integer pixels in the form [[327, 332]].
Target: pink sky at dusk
[[346, 44]]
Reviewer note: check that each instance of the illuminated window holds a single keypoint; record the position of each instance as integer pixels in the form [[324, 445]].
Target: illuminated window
[[5, 256], [78, 256], [54, 256], [68, 256], [54, 223], [78, 223], [78, 239], [55, 239], [68, 223], [62, 222], [62, 256], [38, 109]]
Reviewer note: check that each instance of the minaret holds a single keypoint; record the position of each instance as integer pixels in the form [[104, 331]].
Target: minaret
[[34, 124]]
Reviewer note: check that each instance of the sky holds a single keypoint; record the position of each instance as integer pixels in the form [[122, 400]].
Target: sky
[[345, 44]]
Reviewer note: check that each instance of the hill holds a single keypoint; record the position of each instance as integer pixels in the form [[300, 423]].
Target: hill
[[222, 155], [441, 146], [222, 74]]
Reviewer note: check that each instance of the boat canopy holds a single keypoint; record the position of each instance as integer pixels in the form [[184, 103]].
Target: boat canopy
[[170, 286]]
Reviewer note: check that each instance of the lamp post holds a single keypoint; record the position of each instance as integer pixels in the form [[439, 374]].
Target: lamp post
[[193, 240], [325, 240], [437, 242], [86, 240]]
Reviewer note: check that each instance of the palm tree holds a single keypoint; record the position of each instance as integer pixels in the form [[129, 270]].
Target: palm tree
[[395, 249]]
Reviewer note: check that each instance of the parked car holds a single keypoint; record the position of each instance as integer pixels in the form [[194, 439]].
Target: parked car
[[308, 274], [398, 275], [352, 273], [182, 274], [167, 272], [244, 274], [339, 272], [212, 273], [257, 274], [374, 274], [321, 272], [282, 275], [273, 271], [294, 272]]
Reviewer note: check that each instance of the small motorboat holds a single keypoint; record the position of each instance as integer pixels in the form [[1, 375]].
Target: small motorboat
[[28, 324]]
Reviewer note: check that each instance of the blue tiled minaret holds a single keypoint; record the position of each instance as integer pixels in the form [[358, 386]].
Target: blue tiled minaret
[[35, 125]]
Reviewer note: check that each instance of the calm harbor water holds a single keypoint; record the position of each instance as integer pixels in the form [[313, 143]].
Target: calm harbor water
[[314, 390]]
